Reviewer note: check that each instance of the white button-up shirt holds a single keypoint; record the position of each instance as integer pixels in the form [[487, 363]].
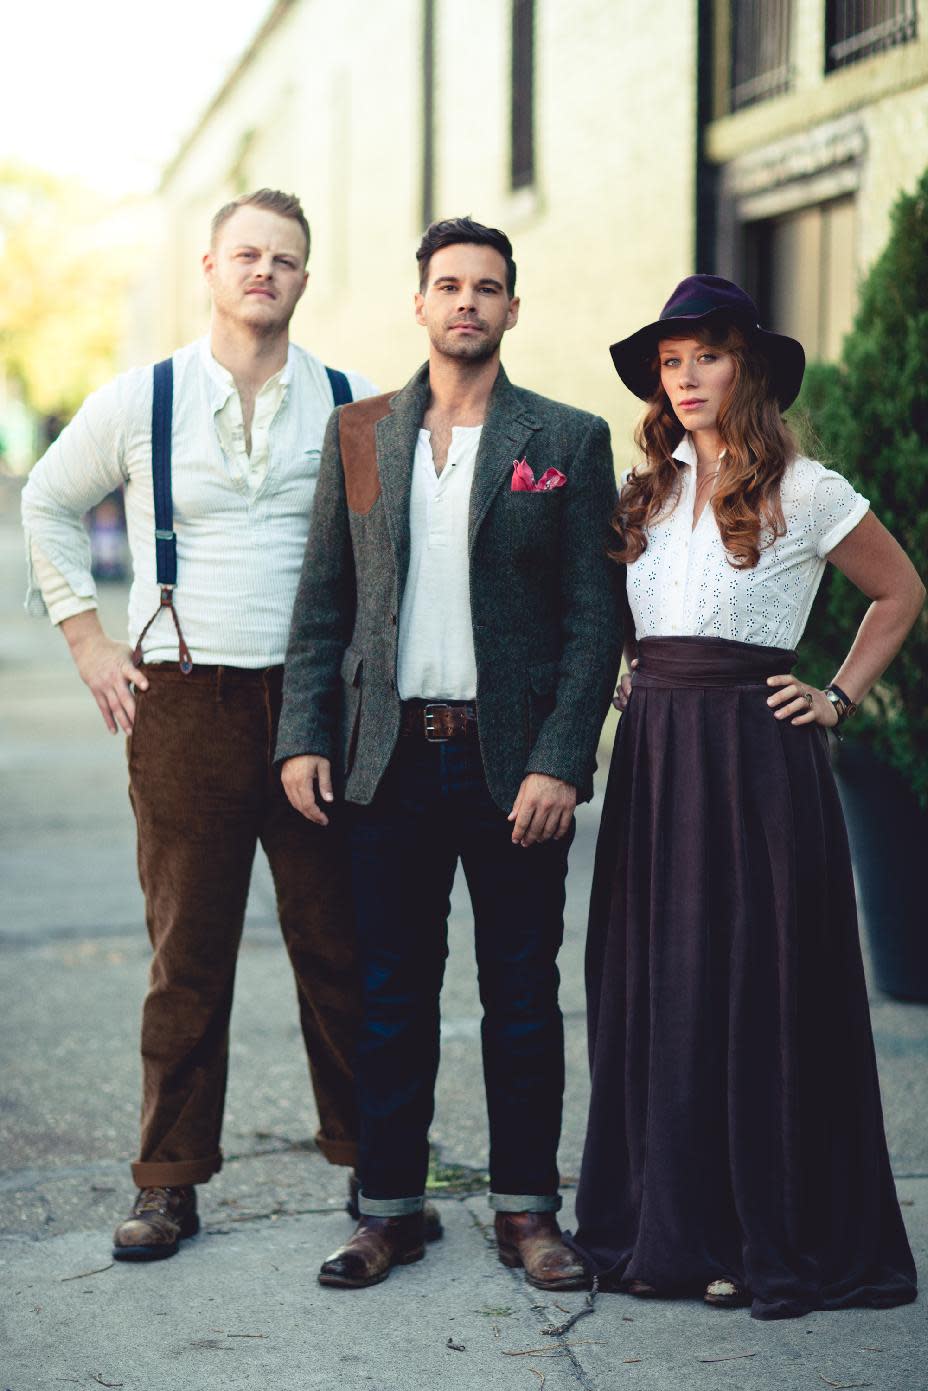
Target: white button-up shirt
[[684, 584], [436, 640], [241, 524]]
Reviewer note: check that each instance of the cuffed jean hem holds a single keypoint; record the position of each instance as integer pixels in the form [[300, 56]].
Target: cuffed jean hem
[[343, 1152], [181, 1173], [389, 1207], [525, 1202]]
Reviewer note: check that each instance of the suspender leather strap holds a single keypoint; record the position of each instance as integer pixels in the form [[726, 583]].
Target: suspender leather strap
[[341, 387]]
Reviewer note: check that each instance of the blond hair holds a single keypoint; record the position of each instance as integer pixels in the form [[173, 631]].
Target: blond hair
[[272, 200]]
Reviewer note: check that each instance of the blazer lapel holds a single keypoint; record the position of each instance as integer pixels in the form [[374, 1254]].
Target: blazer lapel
[[397, 435], [507, 430]]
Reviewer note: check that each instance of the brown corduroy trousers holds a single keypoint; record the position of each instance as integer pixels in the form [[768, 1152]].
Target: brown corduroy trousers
[[204, 793]]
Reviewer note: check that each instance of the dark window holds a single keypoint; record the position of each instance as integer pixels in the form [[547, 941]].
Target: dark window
[[428, 111], [857, 28], [759, 50], [801, 269], [522, 169]]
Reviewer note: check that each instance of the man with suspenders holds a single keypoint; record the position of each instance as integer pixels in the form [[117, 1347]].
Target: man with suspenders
[[218, 450]]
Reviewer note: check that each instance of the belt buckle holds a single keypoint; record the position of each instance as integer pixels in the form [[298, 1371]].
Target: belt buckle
[[428, 720]]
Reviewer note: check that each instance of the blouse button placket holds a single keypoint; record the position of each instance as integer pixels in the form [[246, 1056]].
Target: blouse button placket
[[681, 548]]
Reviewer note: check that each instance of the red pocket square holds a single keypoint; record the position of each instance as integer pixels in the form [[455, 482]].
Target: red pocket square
[[523, 479]]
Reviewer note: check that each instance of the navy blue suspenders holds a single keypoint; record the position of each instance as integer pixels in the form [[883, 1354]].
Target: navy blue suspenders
[[341, 387], [162, 412]]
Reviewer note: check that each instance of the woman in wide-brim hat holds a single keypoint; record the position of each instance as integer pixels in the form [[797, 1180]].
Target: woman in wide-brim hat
[[735, 1146]]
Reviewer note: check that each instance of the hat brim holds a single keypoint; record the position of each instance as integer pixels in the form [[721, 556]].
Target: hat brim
[[633, 356]]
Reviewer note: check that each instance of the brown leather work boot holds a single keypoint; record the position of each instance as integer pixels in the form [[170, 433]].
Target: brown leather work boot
[[533, 1240], [160, 1218], [434, 1231], [375, 1246]]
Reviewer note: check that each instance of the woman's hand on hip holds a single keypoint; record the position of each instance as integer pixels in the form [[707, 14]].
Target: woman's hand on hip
[[804, 704], [624, 689]]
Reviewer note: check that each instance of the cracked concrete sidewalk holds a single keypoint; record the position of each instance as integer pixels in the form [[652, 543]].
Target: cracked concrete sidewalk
[[240, 1306]]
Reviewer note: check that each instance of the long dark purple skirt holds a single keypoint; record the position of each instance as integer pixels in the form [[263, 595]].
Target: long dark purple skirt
[[735, 1127]]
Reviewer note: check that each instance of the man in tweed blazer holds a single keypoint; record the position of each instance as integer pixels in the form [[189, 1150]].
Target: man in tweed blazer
[[454, 645]]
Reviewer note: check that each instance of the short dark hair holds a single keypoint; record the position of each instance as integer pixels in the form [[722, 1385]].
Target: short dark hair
[[454, 230], [284, 204]]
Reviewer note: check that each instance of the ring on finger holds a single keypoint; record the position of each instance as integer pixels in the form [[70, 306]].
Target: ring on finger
[[807, 697]]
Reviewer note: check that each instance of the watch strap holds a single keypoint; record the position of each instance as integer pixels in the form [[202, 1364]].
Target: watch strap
[[844, 706]]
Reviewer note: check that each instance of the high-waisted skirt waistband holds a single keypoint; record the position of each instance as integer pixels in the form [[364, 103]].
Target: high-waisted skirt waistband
[[704, 661]]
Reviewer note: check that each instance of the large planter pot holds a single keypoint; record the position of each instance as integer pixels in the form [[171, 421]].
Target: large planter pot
[[888, 832]]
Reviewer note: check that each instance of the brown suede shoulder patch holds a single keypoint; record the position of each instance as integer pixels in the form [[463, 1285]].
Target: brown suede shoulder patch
[[358, 446]]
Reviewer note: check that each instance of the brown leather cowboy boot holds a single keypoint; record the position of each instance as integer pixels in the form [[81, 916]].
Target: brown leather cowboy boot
[[160, 1218], [375, 1246], [434, 1231], [533, 1240]]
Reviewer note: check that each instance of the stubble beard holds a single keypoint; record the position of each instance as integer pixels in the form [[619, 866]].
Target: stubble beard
[[270, 327], [468, 349], [237, 313]]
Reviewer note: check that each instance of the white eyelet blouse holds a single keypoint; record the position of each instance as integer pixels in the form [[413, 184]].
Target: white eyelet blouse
[[684, 584]]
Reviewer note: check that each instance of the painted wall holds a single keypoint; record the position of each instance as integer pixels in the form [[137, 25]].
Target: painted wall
[[329, 106]]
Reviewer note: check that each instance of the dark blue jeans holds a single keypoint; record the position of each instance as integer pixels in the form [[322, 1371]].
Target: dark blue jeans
[[433, 808]]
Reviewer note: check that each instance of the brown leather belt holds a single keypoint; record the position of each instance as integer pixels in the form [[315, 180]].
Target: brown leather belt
[[438, 721]]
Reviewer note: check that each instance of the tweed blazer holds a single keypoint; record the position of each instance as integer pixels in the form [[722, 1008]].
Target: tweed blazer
[[543, 593]]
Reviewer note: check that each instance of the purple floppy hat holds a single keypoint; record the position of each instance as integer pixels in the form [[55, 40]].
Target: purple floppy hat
[[698, 299]]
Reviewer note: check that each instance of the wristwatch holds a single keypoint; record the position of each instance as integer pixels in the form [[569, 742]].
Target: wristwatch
[[844, 706]]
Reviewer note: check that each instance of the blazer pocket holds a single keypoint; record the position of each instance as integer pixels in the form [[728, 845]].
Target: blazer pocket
[[533, 522]]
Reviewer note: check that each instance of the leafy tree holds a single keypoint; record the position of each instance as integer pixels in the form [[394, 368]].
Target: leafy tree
[[64, 265], [870, 413]]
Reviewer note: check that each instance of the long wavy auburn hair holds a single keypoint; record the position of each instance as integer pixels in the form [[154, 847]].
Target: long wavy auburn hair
[[758, 446]]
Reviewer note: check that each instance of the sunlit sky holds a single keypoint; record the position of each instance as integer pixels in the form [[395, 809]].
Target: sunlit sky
[[106, 90]]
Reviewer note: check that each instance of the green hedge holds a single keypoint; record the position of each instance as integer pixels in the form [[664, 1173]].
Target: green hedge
[[869, 420]]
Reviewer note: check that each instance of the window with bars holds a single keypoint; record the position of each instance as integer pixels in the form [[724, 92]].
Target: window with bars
[[760, 46], [856, 29], [522, 156]]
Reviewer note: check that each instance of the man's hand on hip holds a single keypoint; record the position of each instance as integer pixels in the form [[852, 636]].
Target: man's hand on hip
[[543, 809], [300, 777], [106, 667]]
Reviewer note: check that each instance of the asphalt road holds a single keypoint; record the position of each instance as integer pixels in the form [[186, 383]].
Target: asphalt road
[[240, 1306]]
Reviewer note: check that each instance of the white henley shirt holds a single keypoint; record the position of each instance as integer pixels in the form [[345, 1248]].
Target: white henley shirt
[[436, 639]]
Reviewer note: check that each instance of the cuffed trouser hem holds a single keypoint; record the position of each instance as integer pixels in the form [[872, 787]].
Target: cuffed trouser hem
[[343, 1152], [389, 1207], [525, 1202], [177, 1174]]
